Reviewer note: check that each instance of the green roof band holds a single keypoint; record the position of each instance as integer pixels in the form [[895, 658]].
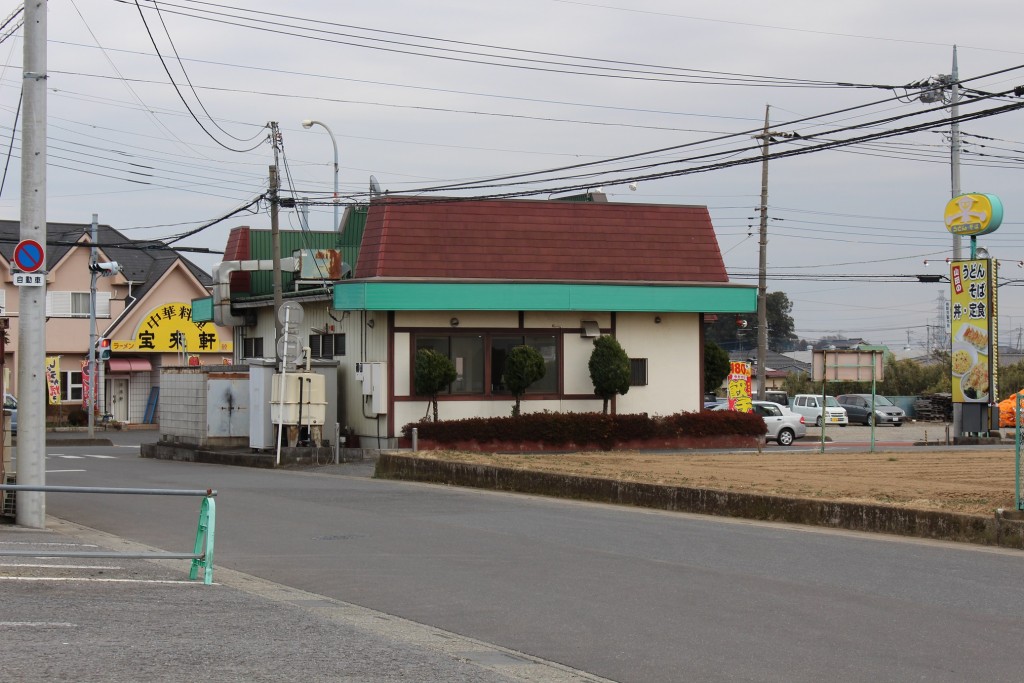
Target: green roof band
[[421, 296]]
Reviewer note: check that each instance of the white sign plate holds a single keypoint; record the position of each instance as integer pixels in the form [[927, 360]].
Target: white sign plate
[[28, 279]]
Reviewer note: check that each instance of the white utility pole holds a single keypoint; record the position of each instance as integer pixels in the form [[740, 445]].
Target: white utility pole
[[32, 390]]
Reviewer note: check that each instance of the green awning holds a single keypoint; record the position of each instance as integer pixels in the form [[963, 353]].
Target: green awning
[[523, 296]]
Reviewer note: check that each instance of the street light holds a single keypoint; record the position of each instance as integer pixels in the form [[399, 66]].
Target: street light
[[309, 123]]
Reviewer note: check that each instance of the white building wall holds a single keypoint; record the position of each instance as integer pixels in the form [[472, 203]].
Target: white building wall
[[672, 350]]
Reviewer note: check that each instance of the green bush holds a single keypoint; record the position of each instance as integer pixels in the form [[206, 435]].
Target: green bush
[[559, 429]]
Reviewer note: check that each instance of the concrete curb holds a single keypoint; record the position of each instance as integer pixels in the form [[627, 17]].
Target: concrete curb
[[1004, 528], [247, 457]]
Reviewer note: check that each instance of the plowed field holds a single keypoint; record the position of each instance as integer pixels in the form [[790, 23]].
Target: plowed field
[[975, 481]]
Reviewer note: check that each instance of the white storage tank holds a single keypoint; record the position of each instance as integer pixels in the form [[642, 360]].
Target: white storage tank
[[298, 398]]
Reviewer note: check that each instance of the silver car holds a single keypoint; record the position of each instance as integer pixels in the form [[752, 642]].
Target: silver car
[[11, 408], [784, 426]]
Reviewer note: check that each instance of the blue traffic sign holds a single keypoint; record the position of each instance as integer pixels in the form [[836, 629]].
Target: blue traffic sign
[[29, 256]]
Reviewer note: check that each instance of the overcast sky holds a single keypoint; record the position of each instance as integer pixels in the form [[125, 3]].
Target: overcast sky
[[426, 95]]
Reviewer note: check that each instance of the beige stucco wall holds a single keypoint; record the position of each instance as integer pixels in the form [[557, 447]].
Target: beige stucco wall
[[442, 319], [671, 346], [674, 371]]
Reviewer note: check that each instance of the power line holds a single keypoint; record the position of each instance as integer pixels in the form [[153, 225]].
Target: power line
[[598, 67], [182, 97]]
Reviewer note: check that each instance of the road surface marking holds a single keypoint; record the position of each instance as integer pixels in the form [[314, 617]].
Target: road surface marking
[[36, 624], [60, 471], [59, 566], [72, 578], [63, 545]]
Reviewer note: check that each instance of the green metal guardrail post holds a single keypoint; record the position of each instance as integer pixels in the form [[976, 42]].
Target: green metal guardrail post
[[204, 540]]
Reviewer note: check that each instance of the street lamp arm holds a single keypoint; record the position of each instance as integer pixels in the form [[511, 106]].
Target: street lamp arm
[[309, 123]]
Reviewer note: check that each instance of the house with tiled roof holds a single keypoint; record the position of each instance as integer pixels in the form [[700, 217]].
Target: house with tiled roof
[[474, 278], [144, 310]]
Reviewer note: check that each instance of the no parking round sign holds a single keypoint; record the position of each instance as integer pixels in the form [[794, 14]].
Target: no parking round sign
[[29, 256]]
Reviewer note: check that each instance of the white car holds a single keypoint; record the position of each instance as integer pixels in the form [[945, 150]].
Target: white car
[[810, 406], [784, 426]]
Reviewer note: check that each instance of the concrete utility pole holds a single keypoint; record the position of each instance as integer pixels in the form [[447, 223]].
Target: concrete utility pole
[[31, 506], [954, 148], [954, 176], [275, 233], [762, 267], [91, 400], [767, 137]]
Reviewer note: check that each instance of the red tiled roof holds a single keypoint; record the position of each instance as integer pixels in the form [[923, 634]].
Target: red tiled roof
[[539, 240], [237, 249]]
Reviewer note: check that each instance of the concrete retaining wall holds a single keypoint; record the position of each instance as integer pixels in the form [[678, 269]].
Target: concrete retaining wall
[[1004, 529]]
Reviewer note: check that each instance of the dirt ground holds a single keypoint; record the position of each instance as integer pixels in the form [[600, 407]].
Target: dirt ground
[[969, 481]]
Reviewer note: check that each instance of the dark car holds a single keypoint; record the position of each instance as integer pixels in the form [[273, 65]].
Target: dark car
[[858, 409]]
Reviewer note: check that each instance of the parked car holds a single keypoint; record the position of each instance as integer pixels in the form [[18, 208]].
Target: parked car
[[775, 396], [809, 405], [858, 409], [711, 401], [784, 426], [11, 407]]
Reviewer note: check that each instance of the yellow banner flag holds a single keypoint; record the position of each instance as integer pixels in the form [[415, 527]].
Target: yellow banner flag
[[53, 380]]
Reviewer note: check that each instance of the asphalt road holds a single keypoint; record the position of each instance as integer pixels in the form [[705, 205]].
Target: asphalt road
[[626, 594]]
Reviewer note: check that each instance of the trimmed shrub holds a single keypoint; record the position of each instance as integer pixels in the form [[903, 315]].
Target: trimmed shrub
[[589, 428]]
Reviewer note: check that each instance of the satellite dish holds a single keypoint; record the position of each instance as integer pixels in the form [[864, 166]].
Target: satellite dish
[[374, 187]]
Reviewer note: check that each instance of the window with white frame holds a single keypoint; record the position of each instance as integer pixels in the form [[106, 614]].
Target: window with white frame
[[76, 304], [70, 386]]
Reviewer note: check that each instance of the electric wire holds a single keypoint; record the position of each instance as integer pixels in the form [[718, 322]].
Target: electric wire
[[623, 69], [171, 239], [10, 146], [181, 96], [120, 77], [184, 72]]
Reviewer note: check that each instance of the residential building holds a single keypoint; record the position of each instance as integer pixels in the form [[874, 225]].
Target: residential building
[[145, 311]]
